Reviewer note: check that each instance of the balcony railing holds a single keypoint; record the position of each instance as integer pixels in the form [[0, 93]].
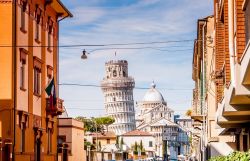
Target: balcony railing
[[56, 109]]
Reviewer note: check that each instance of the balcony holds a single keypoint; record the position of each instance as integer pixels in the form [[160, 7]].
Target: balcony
[[234, 110], [54, 110], [197, 111]]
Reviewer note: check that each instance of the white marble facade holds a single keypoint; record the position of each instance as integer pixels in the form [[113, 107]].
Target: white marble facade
[[117, 88], [154, 115]]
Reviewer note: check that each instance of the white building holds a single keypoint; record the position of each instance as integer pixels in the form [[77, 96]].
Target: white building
[[117, 87], [154, 115], [137, 136]]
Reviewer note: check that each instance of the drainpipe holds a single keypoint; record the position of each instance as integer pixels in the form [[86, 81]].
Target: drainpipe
[[203, 92], [14, 76], [231, 40]]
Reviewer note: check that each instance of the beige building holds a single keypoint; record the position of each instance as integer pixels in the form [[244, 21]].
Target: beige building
[[206, 139], [233, 112], [71, 136], [103, 146]]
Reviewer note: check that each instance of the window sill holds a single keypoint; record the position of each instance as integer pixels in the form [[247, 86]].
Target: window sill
[[23, 30], [37, 94], [22, 88], [37, 40]]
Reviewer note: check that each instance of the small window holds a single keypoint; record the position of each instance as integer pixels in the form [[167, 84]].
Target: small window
[[49, 73], [114, 73], [124, 74], [22, 75], [23, 8], [23, 56], [37, 31], [37, 76], [150, 144], [108, 141], [37, 27], [49, 140], [37, 79], [22, 143], [50, 27]]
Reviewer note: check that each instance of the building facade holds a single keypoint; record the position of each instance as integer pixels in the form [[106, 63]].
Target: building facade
[[233, 59], [102, 146], [207, 141], [28, 61], [138, 137], [221, 74], [117, 87], [153, 116], [70, 134]]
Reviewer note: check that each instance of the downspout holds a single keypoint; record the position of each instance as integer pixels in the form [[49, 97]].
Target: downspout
[[14, 76], [57, 74], [203, 92], [231, 40]]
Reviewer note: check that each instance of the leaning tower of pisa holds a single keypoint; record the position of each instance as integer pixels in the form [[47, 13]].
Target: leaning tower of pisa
[[117, 87]]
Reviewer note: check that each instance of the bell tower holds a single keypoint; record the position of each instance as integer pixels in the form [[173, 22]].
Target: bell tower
[[117, 88]]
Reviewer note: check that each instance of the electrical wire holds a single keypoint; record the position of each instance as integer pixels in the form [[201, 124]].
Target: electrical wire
[[89, 109], [93, 85], [140, 48], [102, 45]]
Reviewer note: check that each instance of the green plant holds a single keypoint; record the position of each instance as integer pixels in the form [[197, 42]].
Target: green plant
[[234, 156]]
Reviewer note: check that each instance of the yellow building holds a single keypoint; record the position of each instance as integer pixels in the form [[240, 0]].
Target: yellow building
[[28, 61]]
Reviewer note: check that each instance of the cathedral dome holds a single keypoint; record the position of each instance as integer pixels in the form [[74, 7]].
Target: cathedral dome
[[153, 95]]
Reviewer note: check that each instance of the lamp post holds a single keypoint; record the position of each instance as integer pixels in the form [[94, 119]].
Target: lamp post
[[96, 138], [88, 152]]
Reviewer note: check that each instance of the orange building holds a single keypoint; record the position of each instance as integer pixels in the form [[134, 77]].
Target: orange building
[[232, 61], [28, 61]]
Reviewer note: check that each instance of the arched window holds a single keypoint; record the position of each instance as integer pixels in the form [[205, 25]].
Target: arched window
[[114, 73]]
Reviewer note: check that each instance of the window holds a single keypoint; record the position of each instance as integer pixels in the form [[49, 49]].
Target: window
[[37, 31], [108, 141], [114, 73], [22, 75], [23, 9], [49, 73], [23, 54], [37, 76], [150, 144], [22, 139], [49, 140], [49, 41], [37, 81], [247, 19], [124, 74], [37, 27], [50, 27]]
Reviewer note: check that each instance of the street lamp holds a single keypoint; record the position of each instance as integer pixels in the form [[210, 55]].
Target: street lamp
[[84, 56]]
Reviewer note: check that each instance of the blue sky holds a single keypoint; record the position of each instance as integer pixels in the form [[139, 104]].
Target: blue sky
[[129, 21]]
